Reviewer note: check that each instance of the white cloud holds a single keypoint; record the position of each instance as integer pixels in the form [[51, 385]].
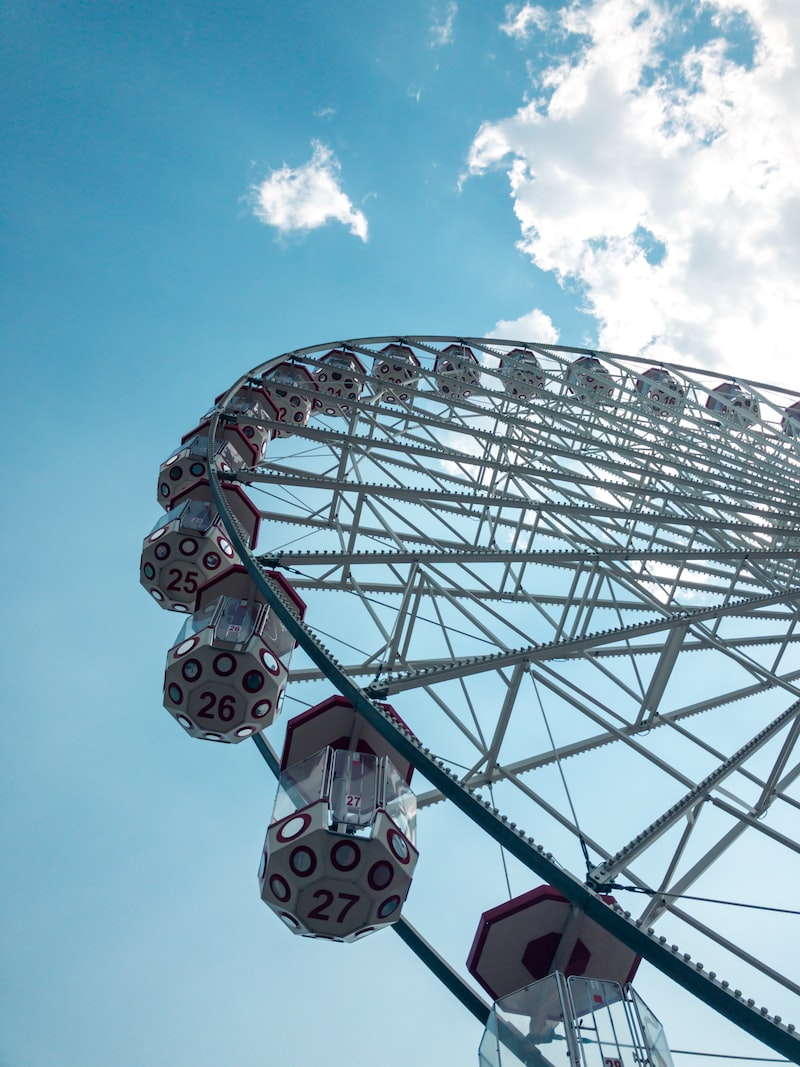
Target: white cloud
[[533, 326], [442, 26], [521, 23], [663, 176], [307, 197]]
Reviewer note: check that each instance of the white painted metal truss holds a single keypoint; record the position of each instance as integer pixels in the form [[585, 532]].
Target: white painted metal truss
[[580, 582]]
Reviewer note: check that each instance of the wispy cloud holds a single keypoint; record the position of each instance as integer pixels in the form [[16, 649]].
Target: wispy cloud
[[442, 25], [657, 166], [307, 197], [521, 23]]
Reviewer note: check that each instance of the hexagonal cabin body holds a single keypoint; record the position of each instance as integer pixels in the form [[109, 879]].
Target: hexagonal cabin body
[[226, 672], [588, 380], [396, 369], [339, 854], [662, 394], [458, 371], [522, 374], [732, 405], [340, 377], [291, 389], [188, 465], [188, 546], [242, 415]]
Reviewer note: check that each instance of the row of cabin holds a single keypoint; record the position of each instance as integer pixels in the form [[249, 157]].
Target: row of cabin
[[340, 849], [296, 391], [188, 546]]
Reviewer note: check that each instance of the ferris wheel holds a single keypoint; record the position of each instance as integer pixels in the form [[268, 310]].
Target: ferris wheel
[[575, 576]]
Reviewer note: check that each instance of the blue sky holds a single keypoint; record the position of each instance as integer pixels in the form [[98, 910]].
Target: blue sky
[[189, 189]]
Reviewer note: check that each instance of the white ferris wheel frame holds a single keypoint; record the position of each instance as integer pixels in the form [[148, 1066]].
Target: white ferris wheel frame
[[492, 541]]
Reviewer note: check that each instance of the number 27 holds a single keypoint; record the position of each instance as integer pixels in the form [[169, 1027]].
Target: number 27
[[321, 912]]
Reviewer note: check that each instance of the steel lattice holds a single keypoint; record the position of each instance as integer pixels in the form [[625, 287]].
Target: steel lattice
[[585, 560]]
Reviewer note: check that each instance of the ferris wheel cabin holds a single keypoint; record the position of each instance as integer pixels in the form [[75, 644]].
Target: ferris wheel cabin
[[561, 989], [188, 546], [522, 374], [588, 380], [458, 371], [340, 377], [732, 405], [340, 851], [226, 672], [397, 370], [188, 465], [243, 411], [292, 391], [661, 392]]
